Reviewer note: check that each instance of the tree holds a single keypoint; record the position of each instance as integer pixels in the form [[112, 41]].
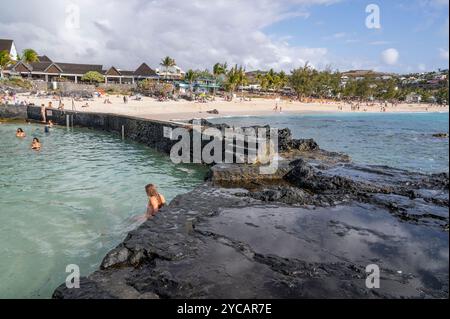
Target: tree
[[150, 87], [5, 61], [283, 79], [219, 70], [442, 96], [167, 63], [241, 79], [301, 81], [235, 77], [190, 76], [93, 77], [388, 90], [29, 56]]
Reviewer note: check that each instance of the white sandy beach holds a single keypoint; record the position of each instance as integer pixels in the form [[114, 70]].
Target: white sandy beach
[[150, 108]]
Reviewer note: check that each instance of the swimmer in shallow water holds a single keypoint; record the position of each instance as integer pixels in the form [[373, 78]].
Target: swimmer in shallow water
[[20, 133], [36, 144], [156, 201]]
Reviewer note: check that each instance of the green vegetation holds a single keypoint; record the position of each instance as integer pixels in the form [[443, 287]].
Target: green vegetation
[[167, 63], [16, 82], [29, 56], [93, 77], [5, 61], [272, 80], [190, 77], [155, 88], [306, 82], [236, 77]]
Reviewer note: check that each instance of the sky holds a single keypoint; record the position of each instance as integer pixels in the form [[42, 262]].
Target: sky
[[400, 36]]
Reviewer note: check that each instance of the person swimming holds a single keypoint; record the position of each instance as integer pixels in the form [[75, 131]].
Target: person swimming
[[20, 133], [156, 201], [36, 144], [48, 126]]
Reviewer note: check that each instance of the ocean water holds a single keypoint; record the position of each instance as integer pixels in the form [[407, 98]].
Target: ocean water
[[398, 140], [72, 202]]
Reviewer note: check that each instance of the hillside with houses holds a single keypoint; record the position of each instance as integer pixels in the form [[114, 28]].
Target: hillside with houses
[[29, 69]]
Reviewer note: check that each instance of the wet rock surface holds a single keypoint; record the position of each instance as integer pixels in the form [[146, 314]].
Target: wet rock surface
[[309, 232], [441, 135]]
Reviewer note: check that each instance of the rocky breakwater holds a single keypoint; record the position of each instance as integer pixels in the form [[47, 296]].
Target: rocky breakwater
[[308, 231]]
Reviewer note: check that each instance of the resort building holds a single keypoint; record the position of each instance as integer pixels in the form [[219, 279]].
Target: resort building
[[9, 46], [47, 70], [172, 73], [118, 76], [199, 86]]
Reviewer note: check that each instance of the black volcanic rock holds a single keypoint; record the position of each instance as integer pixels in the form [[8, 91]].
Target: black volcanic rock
[[307, 231], [441, 135], [310, 236]]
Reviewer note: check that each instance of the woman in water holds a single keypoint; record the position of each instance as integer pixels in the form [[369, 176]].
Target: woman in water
[[20, 133], [156, 201], [36, 145]]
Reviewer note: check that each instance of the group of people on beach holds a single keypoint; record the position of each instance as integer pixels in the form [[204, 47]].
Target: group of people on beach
[[278, 107], [35, 144]]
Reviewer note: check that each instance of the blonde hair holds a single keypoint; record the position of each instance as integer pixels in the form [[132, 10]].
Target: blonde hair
[[151, 190]]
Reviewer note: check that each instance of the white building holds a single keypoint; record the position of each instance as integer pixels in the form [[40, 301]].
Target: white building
[[9, 46], [173, 73]]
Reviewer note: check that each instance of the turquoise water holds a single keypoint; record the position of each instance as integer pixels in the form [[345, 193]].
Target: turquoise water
[[398, 140], [72, 202]]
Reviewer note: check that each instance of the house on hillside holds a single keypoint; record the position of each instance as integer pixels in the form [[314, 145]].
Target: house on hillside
[[413, 98], [10, 47]]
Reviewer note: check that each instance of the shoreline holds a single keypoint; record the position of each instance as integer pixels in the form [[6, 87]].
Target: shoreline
[[310, 113], [149, 108]]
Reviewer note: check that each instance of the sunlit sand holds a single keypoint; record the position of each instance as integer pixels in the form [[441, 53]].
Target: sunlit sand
[[150, 108]]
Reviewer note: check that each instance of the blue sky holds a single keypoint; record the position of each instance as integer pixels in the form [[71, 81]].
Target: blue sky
[[417, 29], [258, 34]]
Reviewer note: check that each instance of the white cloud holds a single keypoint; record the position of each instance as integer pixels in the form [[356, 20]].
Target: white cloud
[[381, 42], [390, 56], [196, 33], [339, 35]]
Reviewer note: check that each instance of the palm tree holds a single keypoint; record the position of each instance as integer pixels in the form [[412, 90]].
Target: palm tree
[[190, 76], [167, 63], [5, 61], [240, 78], [218, 70], [283, 79], [29, 56]]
